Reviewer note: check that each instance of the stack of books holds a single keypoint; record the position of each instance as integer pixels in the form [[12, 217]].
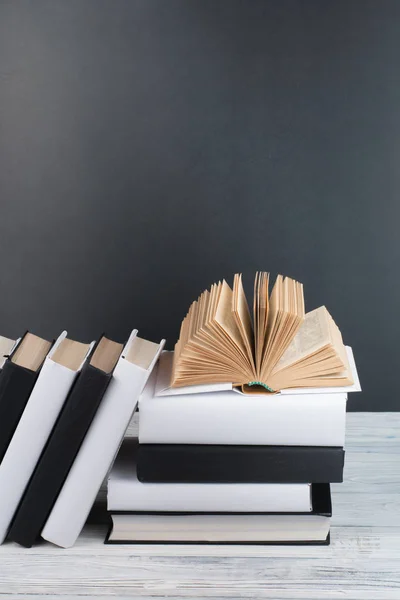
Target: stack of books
[[241, 428], [64, 410]]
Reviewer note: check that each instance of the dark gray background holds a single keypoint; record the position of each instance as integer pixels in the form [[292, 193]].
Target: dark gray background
[[151, 147]]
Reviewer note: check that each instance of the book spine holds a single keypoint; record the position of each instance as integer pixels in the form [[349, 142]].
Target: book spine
[[16, 384], [179, 463], [221, 420]]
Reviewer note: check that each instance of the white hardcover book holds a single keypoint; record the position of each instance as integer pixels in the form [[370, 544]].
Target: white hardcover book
[[6, 347], [225, 417], [102, 441], [127, 493], [44, 405], [218, 528]]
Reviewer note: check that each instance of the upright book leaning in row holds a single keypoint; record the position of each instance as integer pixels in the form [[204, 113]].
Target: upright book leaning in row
[[60, 369], [102, 441], [64, 442], [17, 379]]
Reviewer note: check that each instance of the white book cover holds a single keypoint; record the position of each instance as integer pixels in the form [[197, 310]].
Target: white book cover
[[36, 423], [102, 441], [127, 493], [225, 417], [6, 348]]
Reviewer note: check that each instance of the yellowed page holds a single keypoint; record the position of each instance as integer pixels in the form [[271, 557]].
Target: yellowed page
[[70, 354], [210, 347], [255, 304], [242, 316], [287, 325], [312, 336], [274, 306], [225, 318], [261, 310], [106, 355], [142, 352], [263, 317], [31, 352]]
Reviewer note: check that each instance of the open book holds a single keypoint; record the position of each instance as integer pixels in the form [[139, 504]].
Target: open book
[[279, 347]]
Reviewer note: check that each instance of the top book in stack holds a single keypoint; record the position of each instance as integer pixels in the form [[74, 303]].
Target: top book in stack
[[281, 347]]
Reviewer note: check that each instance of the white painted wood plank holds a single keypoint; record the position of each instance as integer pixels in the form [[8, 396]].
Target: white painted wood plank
[[270, 594], [373, 432], [347, 542], [365, 510], [367, 471], [216, 577]]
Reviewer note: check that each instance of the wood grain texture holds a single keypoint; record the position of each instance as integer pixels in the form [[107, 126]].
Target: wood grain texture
[[362, 562]]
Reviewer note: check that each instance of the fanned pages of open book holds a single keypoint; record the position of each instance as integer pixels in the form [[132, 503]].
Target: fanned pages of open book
[[279, 347]]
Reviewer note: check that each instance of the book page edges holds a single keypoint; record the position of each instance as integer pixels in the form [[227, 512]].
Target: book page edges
[[142, 353], [163, 383], [106, 355], [57, 344], [355, 387], [163, 388], [31, 352]]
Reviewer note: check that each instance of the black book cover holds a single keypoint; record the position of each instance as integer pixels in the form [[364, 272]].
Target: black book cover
[[321, 503], [59, 454], [16, 384], [187, 463]]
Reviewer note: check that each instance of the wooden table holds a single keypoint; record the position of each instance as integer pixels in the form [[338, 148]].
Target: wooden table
[[362, 562]]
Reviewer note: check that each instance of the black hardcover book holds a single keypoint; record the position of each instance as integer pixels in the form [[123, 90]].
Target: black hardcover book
[[17, 379], [64, 443], [186, 463], [312, 528]]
